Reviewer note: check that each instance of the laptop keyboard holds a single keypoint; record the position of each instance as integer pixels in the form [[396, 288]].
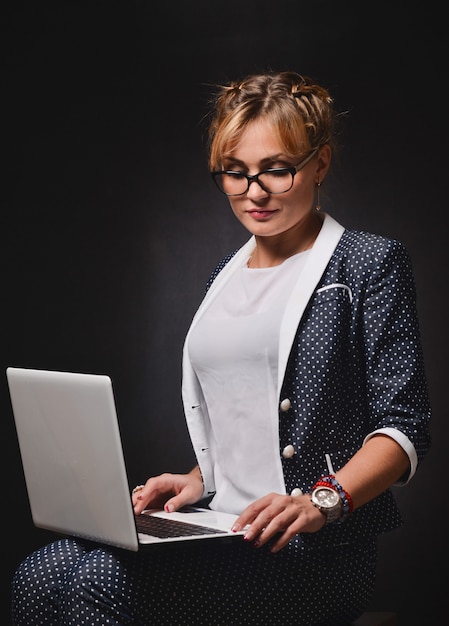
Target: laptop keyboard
[[164, 528]]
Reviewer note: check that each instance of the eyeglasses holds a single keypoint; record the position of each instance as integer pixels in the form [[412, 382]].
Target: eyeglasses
[[274, 180]]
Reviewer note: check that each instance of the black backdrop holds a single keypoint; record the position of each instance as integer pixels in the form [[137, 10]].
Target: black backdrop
[[110, 224]]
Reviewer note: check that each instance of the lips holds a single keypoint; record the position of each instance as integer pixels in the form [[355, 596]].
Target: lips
[[261, 214]]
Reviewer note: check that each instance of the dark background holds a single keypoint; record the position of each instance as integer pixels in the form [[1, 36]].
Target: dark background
[[110, 224]]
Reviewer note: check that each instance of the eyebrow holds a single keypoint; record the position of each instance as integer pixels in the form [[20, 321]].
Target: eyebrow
[[263, 163]]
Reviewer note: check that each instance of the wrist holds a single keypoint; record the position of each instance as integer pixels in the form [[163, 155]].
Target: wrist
[[196, 472], [331, 499]]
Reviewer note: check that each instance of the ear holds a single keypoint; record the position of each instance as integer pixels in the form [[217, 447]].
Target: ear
[[323, 162]]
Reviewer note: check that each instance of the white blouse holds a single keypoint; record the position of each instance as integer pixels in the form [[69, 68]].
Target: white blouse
[[234, 352]]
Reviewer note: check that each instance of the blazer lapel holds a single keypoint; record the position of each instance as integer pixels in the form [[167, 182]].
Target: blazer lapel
[[317, 261]]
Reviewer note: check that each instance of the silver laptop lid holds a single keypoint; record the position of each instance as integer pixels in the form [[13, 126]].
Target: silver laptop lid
[[72, 455]]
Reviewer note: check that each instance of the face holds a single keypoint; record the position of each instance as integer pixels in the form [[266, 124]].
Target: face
[[264, 214]]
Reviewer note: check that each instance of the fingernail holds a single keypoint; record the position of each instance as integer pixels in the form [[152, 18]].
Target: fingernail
[[169, 508]]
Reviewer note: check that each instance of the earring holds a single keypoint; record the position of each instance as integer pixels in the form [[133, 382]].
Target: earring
[[318, 203]]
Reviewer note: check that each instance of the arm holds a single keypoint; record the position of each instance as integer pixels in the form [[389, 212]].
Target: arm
[[374, 468]]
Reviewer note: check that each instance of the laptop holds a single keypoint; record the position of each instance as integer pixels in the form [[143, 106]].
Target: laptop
[[74, 466]]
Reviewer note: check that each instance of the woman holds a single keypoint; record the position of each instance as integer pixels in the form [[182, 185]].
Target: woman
[[304, 393]]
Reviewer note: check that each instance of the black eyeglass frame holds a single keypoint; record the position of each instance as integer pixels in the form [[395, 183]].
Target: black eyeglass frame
[[250, 178]]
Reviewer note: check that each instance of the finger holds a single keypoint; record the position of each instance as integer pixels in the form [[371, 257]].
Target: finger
[[269, 521], [144, 496], [251, 514], [281, 541], [170, 506], [177, 502], [137, 494], [282, 529], [260, 530], [274, 524]]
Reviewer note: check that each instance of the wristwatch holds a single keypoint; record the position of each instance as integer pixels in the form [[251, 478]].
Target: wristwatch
[[328, 502]]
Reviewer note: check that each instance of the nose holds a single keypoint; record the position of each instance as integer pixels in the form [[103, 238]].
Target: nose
[[256, 190]]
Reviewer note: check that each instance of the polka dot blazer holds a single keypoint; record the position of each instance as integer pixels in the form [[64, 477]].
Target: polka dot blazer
[[353, 365]]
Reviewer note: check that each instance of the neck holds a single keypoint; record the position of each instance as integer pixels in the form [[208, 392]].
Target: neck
[[272, 251]]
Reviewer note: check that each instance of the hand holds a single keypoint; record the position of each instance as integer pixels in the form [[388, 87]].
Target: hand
[[282, 515], [180, 489]]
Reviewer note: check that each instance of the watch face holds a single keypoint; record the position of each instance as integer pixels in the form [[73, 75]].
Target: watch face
[[326, 497]]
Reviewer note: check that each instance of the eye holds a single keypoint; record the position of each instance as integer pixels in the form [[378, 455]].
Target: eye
[[233, 174], [277, 172]]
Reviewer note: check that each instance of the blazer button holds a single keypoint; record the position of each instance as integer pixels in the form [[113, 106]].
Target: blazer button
[[288, 452], [296, 492], [285, 405]]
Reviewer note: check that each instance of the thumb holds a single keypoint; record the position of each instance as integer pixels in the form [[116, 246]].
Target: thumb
[[174, 504]]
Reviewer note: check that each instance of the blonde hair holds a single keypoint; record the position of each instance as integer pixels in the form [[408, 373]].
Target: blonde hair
[[300, 111]]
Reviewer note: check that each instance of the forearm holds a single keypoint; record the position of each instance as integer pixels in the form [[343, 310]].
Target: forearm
[[373, 469]]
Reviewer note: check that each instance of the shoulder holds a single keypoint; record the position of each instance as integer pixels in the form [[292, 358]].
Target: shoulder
[[365, 249], [367, 260], [371, 242]]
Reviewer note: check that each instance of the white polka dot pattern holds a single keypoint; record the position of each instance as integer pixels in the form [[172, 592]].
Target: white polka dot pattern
[[80, 584]]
